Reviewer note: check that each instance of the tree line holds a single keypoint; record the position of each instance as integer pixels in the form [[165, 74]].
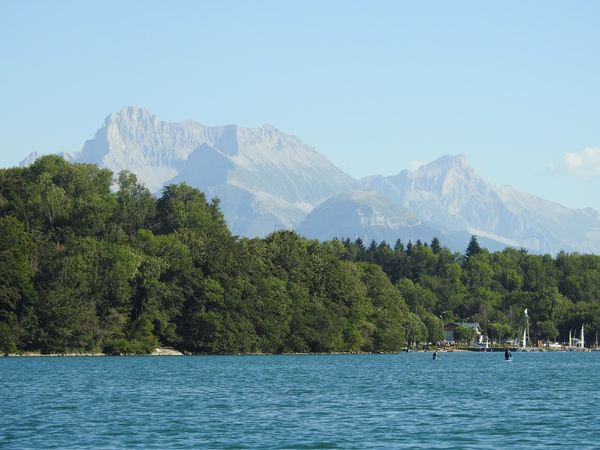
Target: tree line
[[561, 293], [91, 262]]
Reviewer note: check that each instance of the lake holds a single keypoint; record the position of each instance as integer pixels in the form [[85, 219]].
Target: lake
[[464, 400]]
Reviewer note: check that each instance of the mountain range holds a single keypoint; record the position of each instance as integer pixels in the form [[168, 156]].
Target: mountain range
[[267, 180]]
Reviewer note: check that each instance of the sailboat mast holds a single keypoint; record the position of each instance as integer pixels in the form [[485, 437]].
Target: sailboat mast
[[526, 329]]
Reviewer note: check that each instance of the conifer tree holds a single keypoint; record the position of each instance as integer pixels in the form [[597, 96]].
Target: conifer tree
[[399, 246], [473, 248], [436, 247]]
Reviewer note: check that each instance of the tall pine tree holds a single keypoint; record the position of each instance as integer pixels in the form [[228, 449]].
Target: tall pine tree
[[473, 248]]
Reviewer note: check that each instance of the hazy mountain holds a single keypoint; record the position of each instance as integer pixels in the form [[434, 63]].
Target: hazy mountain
[[267, 179], [450, 195], [364, 215], [369, 216], [71, 157]]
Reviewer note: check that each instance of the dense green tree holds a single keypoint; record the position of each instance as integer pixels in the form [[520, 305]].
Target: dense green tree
[[85, 267], [389, 312], [546, 330], [135, 205], [464, 335], [433, 324], [416, 296], [17, 293], [499, 332]]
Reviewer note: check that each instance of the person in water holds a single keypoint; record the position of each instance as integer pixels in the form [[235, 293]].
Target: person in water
[[507, 354], [435, 356]]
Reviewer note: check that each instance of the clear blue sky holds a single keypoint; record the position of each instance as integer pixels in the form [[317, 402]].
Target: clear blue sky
[[374, 86]]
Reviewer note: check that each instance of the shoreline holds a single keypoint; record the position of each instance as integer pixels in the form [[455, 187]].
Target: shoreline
[[172, 352]]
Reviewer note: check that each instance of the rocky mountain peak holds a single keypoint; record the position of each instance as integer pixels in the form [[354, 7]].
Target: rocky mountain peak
[[447, 166], [448, 177], [135, 139], [446, 163], [31, 158], [131, 114], [274, 175], [268, 180]]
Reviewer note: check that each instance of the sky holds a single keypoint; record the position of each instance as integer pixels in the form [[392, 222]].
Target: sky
[[377, 87]]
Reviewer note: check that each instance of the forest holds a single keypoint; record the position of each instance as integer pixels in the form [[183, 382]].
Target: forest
[[91, 261]]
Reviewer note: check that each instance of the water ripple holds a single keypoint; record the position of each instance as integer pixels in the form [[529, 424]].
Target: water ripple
[[304, 402]]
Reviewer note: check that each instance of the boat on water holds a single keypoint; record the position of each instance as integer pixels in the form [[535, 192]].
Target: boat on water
[[524, 347], [577, 345]]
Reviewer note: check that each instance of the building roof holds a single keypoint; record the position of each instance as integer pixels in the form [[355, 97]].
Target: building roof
[[473, 325], [466, 324]]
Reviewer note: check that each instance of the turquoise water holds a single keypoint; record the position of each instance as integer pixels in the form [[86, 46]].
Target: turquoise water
[[465, 400]]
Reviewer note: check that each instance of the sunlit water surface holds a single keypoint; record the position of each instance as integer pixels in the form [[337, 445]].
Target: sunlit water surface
[[464, 400]]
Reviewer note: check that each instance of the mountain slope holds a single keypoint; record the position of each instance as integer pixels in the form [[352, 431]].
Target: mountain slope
[[273, 174], [449, 194], [364, 215], [267, 180], [548, 226]]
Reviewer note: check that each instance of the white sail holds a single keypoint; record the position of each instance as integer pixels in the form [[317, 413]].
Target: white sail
[[524, 337], [570, 338], [582, 339]]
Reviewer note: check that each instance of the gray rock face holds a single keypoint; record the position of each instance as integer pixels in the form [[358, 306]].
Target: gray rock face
[[446, 192], [71, 157], [364, 215], [450, 195], [268, 180]]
